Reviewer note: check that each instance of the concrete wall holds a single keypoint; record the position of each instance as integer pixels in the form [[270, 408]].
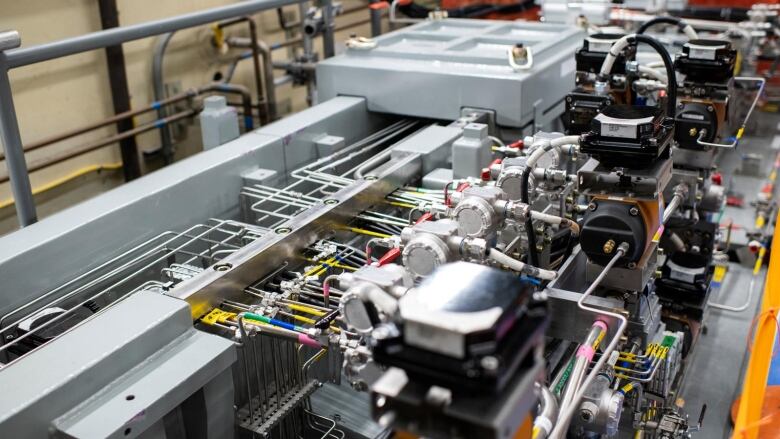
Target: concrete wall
[[70, 92]]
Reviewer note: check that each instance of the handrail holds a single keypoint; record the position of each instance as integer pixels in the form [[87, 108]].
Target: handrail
[[13, 56]]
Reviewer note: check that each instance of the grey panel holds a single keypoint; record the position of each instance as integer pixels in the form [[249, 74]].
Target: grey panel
[[435, 68], [434, 144], [118, 349], [191, 191]]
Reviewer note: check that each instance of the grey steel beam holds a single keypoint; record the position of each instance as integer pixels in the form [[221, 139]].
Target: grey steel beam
[[111, 37], [11, 138]]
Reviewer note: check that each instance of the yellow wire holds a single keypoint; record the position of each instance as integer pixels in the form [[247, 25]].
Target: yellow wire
[[406, 205], [367, 232], [304, 308], [60, 181], [337, 265]]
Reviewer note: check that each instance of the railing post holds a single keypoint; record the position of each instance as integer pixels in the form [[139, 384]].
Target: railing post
[[12, 140]]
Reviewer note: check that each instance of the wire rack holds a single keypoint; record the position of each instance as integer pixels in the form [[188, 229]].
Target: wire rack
[[157, 264], [309, 185], [274, 386]]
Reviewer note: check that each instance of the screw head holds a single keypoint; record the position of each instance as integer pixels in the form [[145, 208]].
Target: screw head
[[592, 206], [283, 230], [331, 201], [633, 211]]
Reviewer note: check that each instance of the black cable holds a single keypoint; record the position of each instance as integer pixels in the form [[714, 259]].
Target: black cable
[[661, 20], [671, 87], [533, 258]]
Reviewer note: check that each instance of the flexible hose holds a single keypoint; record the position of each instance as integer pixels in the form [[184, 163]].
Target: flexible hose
[[520, 267], [686, 28], [653, 73], [671, 86], [559, 432], [553, 219]]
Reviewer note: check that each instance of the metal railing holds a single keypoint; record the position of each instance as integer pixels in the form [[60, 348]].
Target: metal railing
[[12, 56]]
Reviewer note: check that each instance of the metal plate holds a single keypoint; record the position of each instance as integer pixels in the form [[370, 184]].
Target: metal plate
[[463, 63]]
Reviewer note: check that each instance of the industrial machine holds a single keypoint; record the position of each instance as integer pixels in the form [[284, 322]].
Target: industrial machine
[[424, 252]]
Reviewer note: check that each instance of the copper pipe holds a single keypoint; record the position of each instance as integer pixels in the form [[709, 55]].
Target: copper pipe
[[255, 53], [246, 102], [106, 122], [57, 158]]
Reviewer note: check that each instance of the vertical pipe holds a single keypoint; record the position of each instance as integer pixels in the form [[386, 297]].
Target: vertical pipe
[[376, 19], [120, 94], [328, 39], [166, 138], [12, 140]]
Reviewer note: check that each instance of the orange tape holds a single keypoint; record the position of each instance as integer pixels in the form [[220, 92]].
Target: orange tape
[[749, 420]]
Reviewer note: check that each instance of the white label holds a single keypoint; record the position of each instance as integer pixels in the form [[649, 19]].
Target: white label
[[682, 276], [567, 67], [701, 53], [693, 116], [618, 130], [776, 142]]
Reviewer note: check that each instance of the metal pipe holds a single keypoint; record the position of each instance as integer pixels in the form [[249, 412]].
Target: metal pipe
[[375, 8], [105, 122], [268, 73], [98, 40], [328, 43], [12, 140], [120, 92], [246, 101], [52, 160], [166, 138], [189, 94], [255, 53], [11, 56], [566, 412], [548, 412]]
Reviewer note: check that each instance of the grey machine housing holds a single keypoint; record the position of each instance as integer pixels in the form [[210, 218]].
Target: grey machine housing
[[130, 369]]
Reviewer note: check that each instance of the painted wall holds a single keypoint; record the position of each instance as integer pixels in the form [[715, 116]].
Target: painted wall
[[70, 92]]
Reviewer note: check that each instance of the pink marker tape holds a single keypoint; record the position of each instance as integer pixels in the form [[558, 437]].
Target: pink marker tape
[[601, 325], [307, 341], [586, 351]]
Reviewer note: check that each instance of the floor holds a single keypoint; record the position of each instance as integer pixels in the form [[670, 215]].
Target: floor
[[716, 368]]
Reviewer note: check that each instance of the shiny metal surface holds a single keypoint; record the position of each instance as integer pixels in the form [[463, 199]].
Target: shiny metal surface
[[245, 266]]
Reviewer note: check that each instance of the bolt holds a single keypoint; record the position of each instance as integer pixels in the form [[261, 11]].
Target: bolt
[[609, 247], [283, 230], [692, 132], [592, 206], [331, 201], [631, 265], [370, 177], [223, 267], [633, 211], [489, 363]]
